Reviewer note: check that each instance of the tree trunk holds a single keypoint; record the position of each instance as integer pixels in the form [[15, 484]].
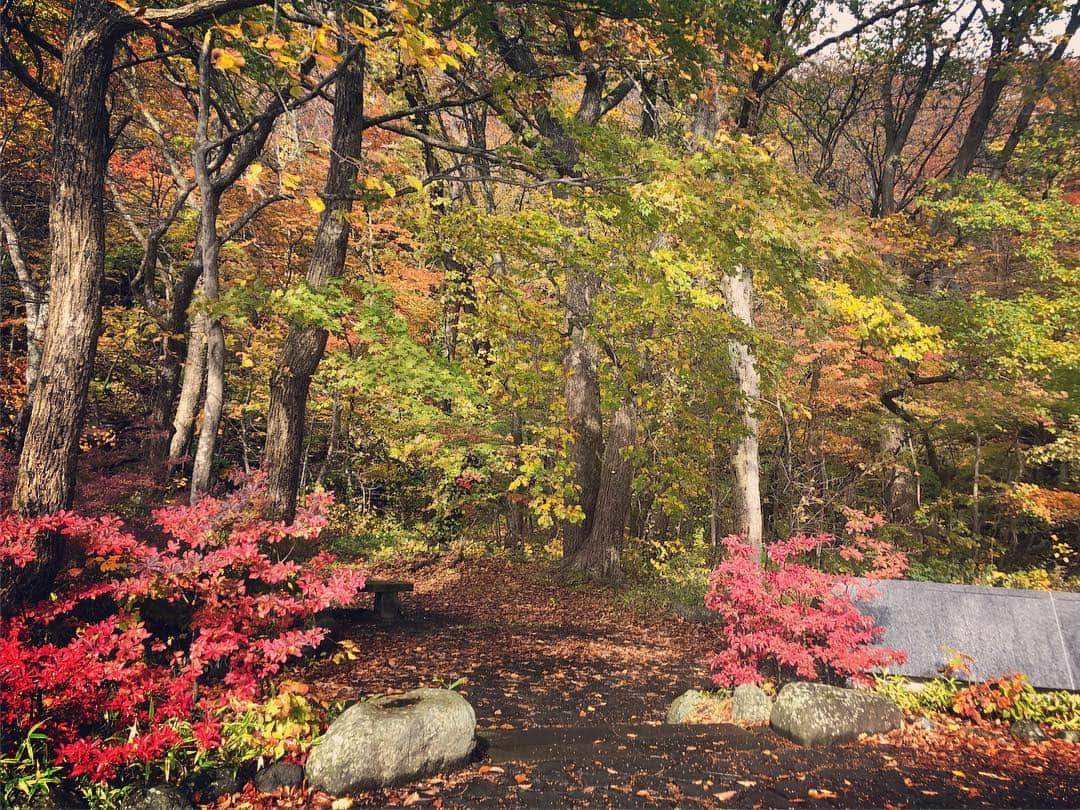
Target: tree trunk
[[187, 404], [209, 247], [36, 308], [174, 349], [304, 346], [899, 494], [582, 392], [517, 517], [738, 289], [47, 464], [213, 407], [599, 556]]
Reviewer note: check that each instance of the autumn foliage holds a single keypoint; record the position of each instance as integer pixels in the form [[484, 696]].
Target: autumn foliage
[[793, 618], [144, 646]]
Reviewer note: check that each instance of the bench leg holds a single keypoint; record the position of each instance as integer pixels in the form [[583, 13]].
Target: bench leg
[[387, 607]]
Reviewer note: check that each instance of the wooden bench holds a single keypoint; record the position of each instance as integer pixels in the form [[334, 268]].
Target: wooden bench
[[387, 604]]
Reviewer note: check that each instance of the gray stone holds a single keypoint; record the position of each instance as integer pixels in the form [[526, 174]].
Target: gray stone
[[693, 706], [391, 740], [684, 706], [1071, 735], [1006, 630], [750, 704], [816, 714], [1027, 730], [924, 723], [156, 797], [279, 775]]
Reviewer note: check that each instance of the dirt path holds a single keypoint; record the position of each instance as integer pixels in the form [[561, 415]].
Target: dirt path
[[570, 690]]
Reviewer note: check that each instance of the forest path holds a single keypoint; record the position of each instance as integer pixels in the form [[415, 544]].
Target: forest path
[[571, 687]]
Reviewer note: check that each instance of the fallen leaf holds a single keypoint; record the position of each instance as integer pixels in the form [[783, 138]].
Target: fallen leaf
[[725, 795]]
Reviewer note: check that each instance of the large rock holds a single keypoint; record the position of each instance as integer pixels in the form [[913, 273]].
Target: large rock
[[750, 704], [393, 739], [816, 714]]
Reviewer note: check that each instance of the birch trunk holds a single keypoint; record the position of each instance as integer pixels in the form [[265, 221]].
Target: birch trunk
[[738, 290]]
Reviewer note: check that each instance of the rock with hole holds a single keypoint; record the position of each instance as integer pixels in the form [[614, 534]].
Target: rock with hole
[[816, 714], [391, 740]]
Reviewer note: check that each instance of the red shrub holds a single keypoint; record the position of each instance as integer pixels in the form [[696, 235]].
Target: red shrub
[[107, 692], [993, 698], [791, 618]]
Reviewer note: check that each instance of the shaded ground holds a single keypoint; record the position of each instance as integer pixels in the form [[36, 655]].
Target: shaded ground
[[570, 690]]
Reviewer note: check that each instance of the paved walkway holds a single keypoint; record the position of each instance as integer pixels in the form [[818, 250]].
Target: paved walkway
[[570, 689]]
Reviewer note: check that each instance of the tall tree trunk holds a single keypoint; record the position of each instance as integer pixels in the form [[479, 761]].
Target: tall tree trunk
[[304, 346], [599, 556], [209, 247], [47, 464], [583, 416], [738, 289], [81, 143]]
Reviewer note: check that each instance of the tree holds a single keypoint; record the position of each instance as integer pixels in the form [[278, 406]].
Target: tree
[[304, 345], [82, 138]]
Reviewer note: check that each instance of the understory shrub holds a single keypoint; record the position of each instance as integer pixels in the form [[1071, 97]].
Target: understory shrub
[[670, 575], [794, 615], [1008, 698], [144, 650]]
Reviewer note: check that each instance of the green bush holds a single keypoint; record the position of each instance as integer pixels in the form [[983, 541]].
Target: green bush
[[1059, 710]]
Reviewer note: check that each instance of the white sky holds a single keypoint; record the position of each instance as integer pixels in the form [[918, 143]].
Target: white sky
[[842, 20]]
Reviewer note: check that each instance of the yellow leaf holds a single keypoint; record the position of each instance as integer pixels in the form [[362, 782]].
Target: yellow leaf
[[227, 59], [251, 176], [316, 204], [290, 182], [414, 182], [232, 31]]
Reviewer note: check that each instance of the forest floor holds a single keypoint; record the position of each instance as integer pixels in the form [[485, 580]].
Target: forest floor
[[571, 687]]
